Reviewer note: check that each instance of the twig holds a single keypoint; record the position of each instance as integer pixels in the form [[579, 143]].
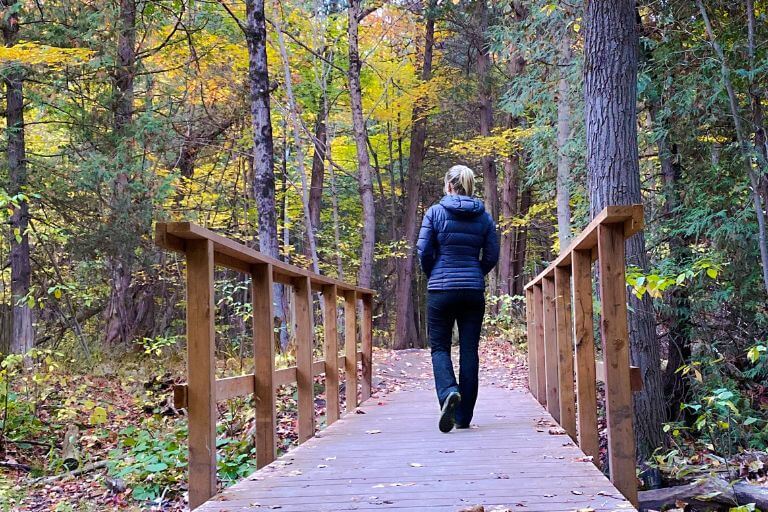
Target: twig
[[85, 469], [15, 465]]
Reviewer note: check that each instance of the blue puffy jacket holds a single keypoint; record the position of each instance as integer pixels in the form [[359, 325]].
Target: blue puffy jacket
[[452, 236]]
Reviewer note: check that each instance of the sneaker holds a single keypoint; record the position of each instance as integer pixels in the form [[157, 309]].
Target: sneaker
[[446, 414]]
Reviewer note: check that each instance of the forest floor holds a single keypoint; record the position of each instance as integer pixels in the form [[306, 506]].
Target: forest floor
[[129, 423]]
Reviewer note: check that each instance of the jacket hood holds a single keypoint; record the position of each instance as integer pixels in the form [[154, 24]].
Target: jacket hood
[[463, 206]]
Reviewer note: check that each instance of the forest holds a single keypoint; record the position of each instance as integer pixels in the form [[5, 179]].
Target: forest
[[319, 132]]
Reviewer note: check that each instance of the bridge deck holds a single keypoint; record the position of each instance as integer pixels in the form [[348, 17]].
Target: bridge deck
[[392, 457]]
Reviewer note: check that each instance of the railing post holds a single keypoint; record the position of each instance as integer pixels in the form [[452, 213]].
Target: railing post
[[586, 391], [304, 336], [366, 333], [550, 348], [530, 324], [541, 367], [200, 372], [264, 363], [565, 350], [331, 350], [350, 349], [615, 339]]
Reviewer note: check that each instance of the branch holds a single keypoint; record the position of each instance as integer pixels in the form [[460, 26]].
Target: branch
[[233, 16]]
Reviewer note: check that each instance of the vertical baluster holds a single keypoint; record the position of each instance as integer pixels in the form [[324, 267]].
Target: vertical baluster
[[530, 323], [586, 385], [331, 350], [565, 350], [200, 372], [264, 363], [304, 338], [541, 369], [350, 348], [615, 339], [550, 348], [366, 333]]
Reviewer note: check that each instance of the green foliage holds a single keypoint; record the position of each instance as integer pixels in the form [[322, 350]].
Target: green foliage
[[504, 317]]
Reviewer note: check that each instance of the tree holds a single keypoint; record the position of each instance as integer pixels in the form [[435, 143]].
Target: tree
[[610, 94], [406, 331], [23, 336], [356, 14]]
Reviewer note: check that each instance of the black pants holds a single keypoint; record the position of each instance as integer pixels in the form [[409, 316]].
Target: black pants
[[466, 308]]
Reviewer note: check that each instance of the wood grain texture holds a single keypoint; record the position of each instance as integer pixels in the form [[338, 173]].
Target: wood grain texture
[[304, 343], [350, 349], [331, 351], [538, 322], [586, 383], [410, 466], [200, 372], [551, 355], [615, 340], [264, 357], [565, 374]]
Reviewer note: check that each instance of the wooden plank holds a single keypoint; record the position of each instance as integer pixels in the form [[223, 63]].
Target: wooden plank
[[630, 217], [409, 465], [615, 340], [200, 372], [264, 357], [635, 376], [541, 372], [350, 349], [366, 335], [331, 350], [229, 252], [565, 350], [551, 355], [531, 335], [586, 385], [304, 342]]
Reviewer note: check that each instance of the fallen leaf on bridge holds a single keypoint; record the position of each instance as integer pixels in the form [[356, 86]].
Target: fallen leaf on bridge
[[373, 431]]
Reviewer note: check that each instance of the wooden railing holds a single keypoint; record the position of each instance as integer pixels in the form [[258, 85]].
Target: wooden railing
[[204, 250], [559, 312]]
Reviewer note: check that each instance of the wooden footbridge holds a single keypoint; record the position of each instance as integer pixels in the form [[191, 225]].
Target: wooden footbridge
[[531, 451]]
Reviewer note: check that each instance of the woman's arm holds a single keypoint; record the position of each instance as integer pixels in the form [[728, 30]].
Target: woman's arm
[[426, 246], [490, 247]]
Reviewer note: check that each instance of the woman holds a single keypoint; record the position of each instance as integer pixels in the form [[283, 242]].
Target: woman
[[453, 235]]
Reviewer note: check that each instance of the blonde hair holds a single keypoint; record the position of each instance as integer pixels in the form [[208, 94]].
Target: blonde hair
[[461, 180]]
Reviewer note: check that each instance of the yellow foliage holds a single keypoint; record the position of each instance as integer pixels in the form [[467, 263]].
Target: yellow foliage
[[34, 54], [502, 142]]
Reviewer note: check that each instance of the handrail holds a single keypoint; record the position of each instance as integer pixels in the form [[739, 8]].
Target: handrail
[[204, 250], [559, 316]]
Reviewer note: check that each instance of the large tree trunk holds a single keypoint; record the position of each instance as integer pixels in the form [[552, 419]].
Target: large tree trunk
[[318, 164], [610, 89], [119, 308], [521, 243], [365, 185], [23, 336], [563, 134], [407, 332], [263, 146]]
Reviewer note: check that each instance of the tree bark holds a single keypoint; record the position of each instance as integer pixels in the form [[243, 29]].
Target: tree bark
[[521, 243], [407, 332], [744, 143], [23, 335], [364, 177], [118, 314], [610, 89], [563, 134], [263, 146], [318, 164]]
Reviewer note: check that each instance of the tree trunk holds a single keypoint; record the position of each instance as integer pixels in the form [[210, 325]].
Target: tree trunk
[[521, 242], [318, 164], [407, 332], [610, 89], [119, 322], [563, 134], [263, 146], [365, 185], [23, 336], [295, 122], [744, 143]]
